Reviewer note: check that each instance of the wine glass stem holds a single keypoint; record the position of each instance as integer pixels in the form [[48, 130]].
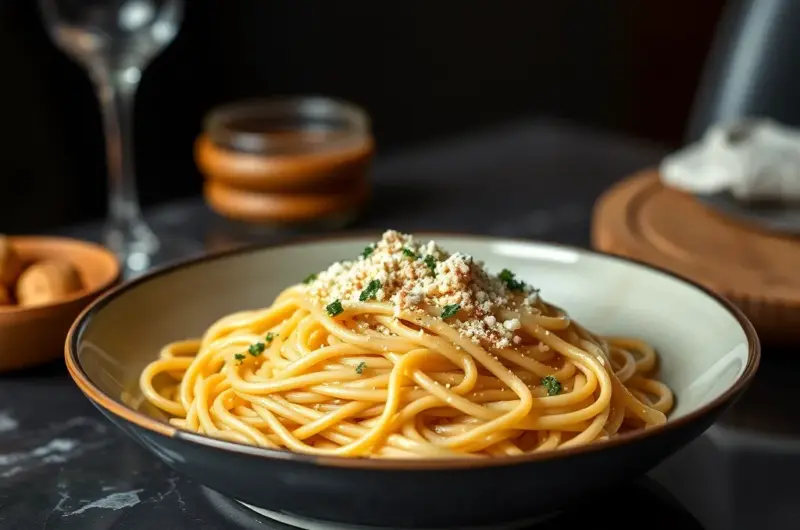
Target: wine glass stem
[[126, 231]]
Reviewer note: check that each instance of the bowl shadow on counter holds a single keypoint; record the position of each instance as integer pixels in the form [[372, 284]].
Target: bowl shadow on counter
[[643, 496]]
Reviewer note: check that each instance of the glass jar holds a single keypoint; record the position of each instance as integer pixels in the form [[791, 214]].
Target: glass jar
[[286, 161]]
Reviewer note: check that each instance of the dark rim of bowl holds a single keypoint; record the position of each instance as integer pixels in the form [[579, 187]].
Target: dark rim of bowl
[[144, 421]]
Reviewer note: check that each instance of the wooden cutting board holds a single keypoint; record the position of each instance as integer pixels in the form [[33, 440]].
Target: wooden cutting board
[[757, 270]]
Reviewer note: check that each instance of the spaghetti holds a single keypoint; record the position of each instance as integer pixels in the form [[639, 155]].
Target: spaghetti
[[409, 352]]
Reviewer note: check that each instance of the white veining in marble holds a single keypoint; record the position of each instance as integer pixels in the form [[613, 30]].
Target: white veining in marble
[[115, 501], [63, 499], [55, 451], [56, 444], [7, 422], [171, 491]]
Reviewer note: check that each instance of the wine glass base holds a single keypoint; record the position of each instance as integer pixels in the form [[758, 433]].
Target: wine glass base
[[170, 249]]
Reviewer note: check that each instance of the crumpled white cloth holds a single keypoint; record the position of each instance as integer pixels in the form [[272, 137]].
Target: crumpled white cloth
[[751, 159]]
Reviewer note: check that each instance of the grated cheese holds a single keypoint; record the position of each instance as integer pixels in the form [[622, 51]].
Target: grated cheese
[[423, 277]]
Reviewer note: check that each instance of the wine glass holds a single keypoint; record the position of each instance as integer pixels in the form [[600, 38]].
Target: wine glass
[[115, 40]]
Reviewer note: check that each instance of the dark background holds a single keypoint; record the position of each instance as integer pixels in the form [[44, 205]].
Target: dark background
[[421, 69]]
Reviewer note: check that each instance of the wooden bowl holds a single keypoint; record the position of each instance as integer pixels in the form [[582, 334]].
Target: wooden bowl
[[31, 336]]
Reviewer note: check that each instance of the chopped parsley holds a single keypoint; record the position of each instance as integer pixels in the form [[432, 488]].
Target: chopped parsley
[[407, 252], [310, 278], [269, 337], [367, 251], [450, 310], [256, 349], [507, 277], [239, 357], [552, 385], [334, 308], [371, 291], [360, 367], [430, 261]]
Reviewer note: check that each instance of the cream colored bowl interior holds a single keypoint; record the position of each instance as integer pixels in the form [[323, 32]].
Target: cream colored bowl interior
[[702, 346]]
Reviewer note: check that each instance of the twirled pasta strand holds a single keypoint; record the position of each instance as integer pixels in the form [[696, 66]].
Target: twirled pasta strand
[[336, 386]]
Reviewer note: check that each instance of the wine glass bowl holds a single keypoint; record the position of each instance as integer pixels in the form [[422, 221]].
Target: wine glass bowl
[[115, 40], [111, 34]]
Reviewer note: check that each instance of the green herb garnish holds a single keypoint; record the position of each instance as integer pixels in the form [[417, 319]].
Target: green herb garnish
[[450, 310], [310, 278], [430, 261], [407, 252], [269, 337], [256, 349], [507, 277], [367, 251], [239, 357], [552, 385], [360, 367], [334, 308], [371, 291]]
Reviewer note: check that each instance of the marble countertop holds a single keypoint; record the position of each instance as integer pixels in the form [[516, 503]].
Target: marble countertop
[[63, 466]]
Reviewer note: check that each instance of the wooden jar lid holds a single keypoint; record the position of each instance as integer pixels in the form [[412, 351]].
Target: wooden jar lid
[[261, 207], [757, 270], [317, 173]]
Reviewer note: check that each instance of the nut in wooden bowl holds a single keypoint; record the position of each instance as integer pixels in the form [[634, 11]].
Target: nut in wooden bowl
[[46, 283]]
